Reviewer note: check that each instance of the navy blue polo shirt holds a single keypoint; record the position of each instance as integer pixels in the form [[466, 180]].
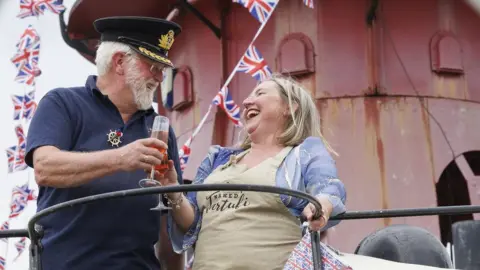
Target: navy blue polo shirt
[[114, 234]]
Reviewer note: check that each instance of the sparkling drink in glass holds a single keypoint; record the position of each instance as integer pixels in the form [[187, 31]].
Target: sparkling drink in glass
[[160, 131]]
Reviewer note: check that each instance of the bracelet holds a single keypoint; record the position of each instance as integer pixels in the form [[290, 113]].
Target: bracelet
[[175, 203]]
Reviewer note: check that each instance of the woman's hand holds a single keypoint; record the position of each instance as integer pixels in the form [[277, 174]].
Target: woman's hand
[[167, 177], [309, 211], [317, 224]]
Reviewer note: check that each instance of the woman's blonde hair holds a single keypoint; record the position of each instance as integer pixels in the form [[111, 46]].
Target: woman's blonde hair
[[304, 121]]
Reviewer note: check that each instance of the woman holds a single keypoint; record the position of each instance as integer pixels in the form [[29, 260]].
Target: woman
[[283, 147]]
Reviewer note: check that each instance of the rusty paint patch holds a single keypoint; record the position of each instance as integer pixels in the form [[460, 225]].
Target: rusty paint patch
[[372, 122], [351, 106], [428, 137]]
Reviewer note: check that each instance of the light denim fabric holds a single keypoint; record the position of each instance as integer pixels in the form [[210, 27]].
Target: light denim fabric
[[308, 167]]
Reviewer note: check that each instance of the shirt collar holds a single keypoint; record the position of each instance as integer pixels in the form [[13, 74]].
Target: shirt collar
[[91, 85]]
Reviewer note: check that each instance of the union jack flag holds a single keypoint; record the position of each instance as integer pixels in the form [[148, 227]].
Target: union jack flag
[[28, 8], [27, 40], [260, 9], [224, 100], [28, 56], [37, 7], [11, 158], [26, 74], [17, 106], [4, 227], [29, 105], [2, 263], [25, 104], [24, 193], [253, 63], [21, 148], [184, 154], [301, 257], [20, 197], [16, 208], [54, 6], [20, 246], [308, 3]]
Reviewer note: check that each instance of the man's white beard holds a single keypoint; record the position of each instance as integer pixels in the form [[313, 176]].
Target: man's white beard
[[143, 90]]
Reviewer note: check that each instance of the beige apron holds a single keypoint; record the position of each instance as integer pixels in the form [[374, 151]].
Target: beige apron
[[245, 230]]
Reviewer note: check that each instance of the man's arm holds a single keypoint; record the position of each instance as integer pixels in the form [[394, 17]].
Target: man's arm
[[62, 169], [50, 139]]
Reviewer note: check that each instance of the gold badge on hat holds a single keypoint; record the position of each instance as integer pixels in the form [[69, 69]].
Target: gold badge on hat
[[166, 41]]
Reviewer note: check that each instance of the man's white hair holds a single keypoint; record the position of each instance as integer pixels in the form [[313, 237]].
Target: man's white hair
[[105, 51]]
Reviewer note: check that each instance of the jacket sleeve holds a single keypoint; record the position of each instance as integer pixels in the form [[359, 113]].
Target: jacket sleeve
[[320, 176]]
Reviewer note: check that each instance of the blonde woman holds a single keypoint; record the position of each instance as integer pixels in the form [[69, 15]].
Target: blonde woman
[[284, 148]]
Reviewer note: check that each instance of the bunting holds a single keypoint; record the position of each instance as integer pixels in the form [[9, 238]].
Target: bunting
[[21, 149], [20, 247], [27, 56], [253, 64], [34, 8], [24, 106], [4, 227], [3, 263], [260, 9], [224, 100], [11, 158], [21, 195], [25, 60], [184, 154]]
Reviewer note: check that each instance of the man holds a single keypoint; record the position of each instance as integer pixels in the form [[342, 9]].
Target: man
[[95, 139]]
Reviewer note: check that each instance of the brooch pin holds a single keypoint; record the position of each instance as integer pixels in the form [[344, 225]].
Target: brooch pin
[[114, 137]]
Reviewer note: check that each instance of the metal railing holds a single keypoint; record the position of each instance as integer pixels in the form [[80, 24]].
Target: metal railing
[[35, 235]]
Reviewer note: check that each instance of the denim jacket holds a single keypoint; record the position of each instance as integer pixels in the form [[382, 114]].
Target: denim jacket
[[309, 168]]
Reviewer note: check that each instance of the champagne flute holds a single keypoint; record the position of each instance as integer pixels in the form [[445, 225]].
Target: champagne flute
[[159, 131]]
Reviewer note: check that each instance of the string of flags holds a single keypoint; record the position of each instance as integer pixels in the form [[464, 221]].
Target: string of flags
[[26, 62], [251, 63]]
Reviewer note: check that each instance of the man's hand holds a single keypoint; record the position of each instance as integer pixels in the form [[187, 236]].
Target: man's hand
[[141, 154]]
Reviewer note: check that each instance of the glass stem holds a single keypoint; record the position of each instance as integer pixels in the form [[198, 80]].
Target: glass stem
[[152, 173]]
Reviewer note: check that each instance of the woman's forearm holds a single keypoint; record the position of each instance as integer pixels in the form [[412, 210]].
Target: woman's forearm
[[61, 169], [327, 206], [183, 213]]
